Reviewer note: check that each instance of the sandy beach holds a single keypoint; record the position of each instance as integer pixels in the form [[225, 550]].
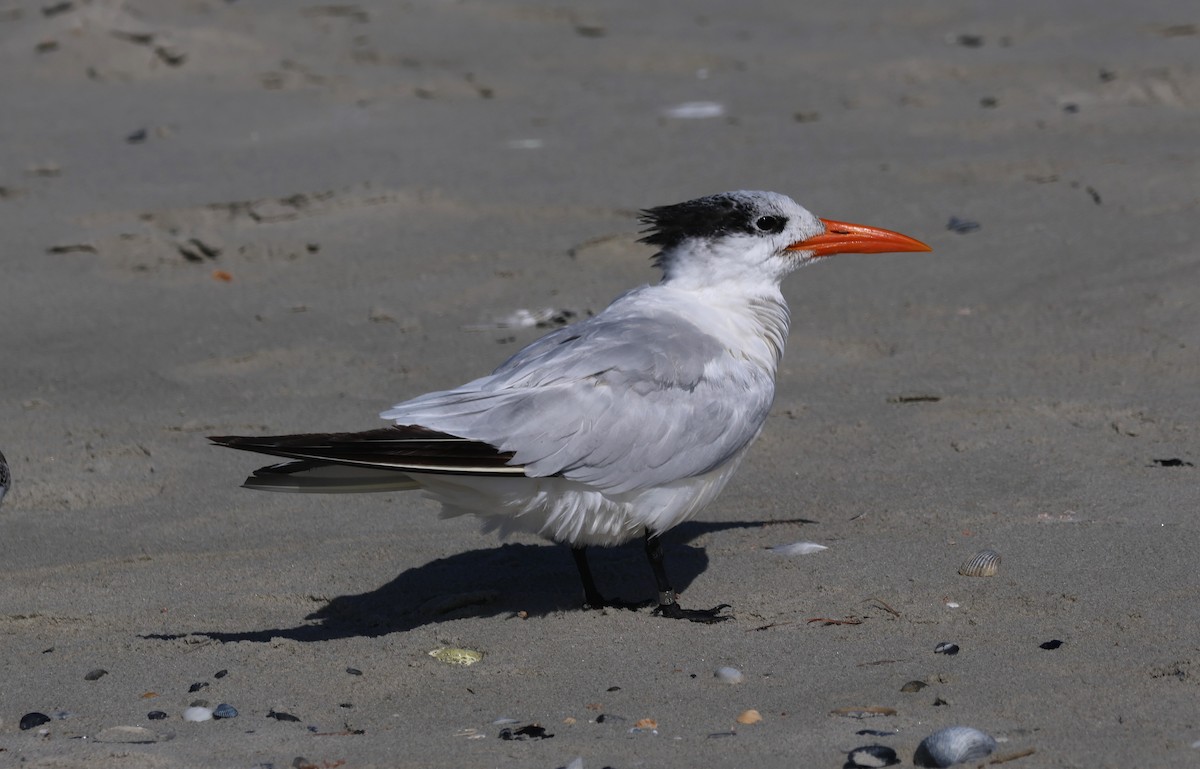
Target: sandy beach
[[264, 216]]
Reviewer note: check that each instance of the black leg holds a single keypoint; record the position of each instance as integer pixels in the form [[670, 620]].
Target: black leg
[[591, 596], [666, 595], [592, 599]]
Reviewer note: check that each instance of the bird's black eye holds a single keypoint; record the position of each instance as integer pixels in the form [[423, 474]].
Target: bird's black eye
[[771, 224]]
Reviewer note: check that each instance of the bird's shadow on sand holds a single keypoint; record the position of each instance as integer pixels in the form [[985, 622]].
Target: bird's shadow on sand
[[503, 580]]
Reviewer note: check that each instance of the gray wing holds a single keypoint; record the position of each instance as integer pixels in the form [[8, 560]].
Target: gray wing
[[618, 402]]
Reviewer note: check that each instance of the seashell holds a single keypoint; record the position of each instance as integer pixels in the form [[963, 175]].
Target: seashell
[[727, 675], [985, 563], [750, 716], [870, 756], [30, 720], [646, 723], [797, 548], [197, 713], [225, 710], [913, 686], [953, 745], [947, 648], [456, 656]]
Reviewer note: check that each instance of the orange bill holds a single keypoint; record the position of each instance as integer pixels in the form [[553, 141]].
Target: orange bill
[[846, 238]]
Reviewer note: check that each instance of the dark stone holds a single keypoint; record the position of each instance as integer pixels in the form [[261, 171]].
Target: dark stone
[[529, 732]]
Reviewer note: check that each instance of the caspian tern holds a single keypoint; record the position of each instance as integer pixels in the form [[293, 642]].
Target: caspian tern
[[618, 426]]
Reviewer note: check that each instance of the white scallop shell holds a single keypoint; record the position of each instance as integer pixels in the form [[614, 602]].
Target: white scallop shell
[[728, 675], [953, 745], [985, 563]]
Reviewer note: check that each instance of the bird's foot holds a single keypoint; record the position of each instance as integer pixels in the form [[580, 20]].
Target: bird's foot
[[711, 616]]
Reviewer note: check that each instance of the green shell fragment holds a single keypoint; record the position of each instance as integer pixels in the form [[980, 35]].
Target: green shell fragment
[[456, 656]]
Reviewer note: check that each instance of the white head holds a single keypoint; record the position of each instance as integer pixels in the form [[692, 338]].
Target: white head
[[753, 237]]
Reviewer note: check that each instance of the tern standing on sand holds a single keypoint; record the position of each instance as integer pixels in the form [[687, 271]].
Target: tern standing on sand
[[619, 426]]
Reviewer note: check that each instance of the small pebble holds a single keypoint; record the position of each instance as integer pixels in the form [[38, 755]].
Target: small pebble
[[95, 675], [220, 674], [354, 671], [156, 715], [727, 675], [224, 711], [947, 648], [30, 720], [695, 110], [197, 714], [1050, 645]]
